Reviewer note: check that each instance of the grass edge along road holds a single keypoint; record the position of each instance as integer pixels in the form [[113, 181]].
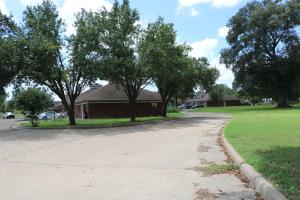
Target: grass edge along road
[[268, 139], [63, 123]]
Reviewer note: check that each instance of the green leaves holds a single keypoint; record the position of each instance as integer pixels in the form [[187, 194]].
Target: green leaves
[[260, 37], [10, 59], [170, 66], [33, 100]]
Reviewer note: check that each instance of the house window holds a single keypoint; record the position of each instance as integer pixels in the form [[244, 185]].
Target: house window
[[154, 105]]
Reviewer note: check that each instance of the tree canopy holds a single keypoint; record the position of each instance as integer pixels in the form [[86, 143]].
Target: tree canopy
[[170, 67], [264, 48], [52, 58], [33, 100], [112, 37], [10, 50]]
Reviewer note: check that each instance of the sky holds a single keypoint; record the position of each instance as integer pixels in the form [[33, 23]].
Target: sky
[[199, 23]]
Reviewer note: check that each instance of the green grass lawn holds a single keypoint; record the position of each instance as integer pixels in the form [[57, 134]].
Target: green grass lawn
[[269, 140], [63, 123]]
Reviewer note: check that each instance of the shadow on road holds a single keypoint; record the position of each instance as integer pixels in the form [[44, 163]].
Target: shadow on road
[[48, 134]]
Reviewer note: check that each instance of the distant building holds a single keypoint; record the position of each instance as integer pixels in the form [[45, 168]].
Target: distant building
[[111, 101], [205, 100], [57, 107]]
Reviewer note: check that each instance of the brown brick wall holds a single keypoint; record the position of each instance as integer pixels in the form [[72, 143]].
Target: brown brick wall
[[111, 110]]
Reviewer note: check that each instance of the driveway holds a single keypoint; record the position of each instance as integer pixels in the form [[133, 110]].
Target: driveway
[[146, 162]]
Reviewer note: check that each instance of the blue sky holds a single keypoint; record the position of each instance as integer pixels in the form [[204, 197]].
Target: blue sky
[[200, 23]]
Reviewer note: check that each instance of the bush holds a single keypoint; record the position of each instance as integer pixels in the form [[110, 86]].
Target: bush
[[173, 110], [34, 120]]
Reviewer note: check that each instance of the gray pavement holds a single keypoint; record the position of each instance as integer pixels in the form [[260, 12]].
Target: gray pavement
[[145, 162]]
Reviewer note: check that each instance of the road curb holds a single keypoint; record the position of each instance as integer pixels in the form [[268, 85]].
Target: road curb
[[17, 127], [256, 180]]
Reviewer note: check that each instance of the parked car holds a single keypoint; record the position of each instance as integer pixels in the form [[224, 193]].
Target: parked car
[[197, 106], [50, 115], [8, 115], [189, 106], [182, 106]]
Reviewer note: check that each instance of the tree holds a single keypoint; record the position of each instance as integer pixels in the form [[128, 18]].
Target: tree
[[164, 59], [10, 105], [218, 91], [247, 87], [263, 40], [2, 103], [197, 75], [64, 73], [113, 36], [10, 50], [170, 67], [33, 100]]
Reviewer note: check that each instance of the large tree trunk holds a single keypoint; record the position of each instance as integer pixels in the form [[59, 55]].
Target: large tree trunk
[[164, 108], [71, 115], [283, 87], [283, 101], [132, 103], [253, 101]]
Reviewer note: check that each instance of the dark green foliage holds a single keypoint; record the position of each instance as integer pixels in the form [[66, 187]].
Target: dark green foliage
[[197, 75], [218, 91], [10, 105], [110, 40], [2, 103], [170, 67], [46, 64], [10, 50], [264, 49], [33, 100]]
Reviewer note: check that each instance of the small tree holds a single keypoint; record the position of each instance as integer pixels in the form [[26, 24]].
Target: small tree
[[33, 100], [218, 91], [197, 75]]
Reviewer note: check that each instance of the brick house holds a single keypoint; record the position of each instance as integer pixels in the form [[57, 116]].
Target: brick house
[[110, 101]]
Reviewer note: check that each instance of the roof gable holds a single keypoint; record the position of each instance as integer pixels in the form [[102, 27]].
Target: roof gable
[[113, 92]]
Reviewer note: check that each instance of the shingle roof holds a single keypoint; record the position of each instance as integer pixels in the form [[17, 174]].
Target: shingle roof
[[112, 92]]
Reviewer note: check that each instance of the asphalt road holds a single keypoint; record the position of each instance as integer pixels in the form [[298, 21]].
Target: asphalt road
[[146, 162], [5, 124]]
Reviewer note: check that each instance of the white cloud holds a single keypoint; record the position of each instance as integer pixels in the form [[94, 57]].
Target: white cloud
[[214, 3], [223, 31], [225, 3], [194, 12], [3, 7], [204, 48], [33, 2], [70, 7], [226, 75], [189, 3]]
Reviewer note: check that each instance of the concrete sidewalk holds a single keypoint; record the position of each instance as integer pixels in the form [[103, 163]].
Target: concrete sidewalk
[[147, 162]]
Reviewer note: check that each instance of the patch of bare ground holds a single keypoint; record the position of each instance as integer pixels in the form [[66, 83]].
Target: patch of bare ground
[[203, 148], [204, 194], [205, 162]]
